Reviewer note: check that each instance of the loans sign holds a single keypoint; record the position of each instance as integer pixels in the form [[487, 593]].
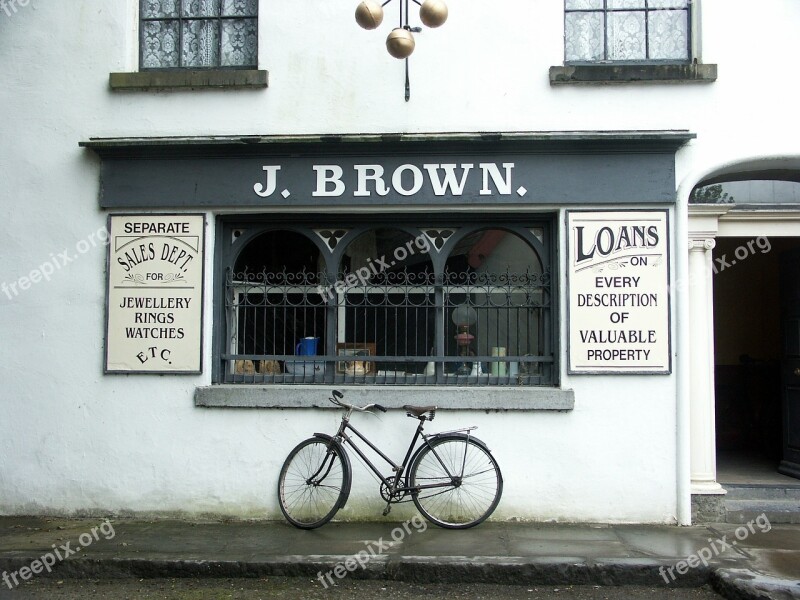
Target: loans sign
[[155, 294], [619, 292]]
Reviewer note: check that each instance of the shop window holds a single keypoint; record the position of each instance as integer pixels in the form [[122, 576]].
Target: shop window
[[271, 304], [441, 305], [627, 31], [198, 34]]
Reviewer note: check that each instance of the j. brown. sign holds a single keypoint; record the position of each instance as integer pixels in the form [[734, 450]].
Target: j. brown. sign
[[155, 294], [325, 176], [618, 292]]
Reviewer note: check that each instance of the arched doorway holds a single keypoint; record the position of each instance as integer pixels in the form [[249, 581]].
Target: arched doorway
[[753, 264]]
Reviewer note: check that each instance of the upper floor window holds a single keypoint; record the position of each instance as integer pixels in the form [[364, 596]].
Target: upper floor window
[[198, 34], [627, 30]]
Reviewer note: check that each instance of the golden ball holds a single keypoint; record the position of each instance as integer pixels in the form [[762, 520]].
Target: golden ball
[[433, 13], [369, 14], [400, 43]]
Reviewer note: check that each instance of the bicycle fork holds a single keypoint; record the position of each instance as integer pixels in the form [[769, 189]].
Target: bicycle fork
[[329, 460]]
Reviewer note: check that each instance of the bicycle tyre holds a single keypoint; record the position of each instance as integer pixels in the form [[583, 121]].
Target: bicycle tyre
[[467, 503], [307, 504]]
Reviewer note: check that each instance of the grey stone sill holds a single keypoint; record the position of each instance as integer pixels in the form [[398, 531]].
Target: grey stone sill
[[189, 80], [619, 73], [316, 396]]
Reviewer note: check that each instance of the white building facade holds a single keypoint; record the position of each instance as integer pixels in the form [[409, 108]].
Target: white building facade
[[245, 157]]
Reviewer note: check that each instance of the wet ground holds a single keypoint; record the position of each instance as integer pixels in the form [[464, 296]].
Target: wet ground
[[311, 589], [251, 559]]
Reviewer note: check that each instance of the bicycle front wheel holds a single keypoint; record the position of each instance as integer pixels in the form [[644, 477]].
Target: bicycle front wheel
[[468, 483], [311, 486]]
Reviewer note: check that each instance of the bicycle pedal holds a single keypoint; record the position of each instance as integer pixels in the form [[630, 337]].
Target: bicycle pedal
[[387, 510]]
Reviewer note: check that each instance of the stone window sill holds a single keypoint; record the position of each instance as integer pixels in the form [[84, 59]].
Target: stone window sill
[[189, 80], [456, 398], [626, 73]]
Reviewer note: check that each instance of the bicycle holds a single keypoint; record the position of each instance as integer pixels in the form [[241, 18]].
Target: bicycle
[[452, 477]]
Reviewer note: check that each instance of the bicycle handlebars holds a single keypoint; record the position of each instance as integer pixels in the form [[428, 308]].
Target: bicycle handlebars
[[337, 396]]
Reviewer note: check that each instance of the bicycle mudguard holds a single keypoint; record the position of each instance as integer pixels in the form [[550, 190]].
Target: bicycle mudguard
[[439, 436], [346, 458]]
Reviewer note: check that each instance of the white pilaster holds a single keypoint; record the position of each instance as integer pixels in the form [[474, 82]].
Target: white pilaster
[[701, 378]]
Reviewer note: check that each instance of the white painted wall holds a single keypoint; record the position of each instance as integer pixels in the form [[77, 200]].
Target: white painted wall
[[75, 441]]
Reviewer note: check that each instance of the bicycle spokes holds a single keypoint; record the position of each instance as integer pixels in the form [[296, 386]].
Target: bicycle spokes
[[458, 481], [311, 484]]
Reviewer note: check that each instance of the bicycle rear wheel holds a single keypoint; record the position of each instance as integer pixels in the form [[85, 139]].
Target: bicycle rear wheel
[[312, 483], [469, 482]]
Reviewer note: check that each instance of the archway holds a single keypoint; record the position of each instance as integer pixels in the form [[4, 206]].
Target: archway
[[750, 212]]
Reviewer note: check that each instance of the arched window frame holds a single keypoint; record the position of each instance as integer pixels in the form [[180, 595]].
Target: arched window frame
[[234, 234]]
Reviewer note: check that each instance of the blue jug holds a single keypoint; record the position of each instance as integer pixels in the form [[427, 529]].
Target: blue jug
[[307, 346]]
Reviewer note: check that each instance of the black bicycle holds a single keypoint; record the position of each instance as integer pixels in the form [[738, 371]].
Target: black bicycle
[[452, 477]]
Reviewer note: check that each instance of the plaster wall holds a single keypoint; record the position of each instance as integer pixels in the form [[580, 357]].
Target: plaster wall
[[73, 441]]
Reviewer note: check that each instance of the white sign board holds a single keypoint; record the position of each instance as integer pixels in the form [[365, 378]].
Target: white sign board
[[618, 279], [155, 294]]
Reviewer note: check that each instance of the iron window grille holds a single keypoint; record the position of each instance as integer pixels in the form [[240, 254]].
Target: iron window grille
[[628, 31], [394, 327], [198, 34]]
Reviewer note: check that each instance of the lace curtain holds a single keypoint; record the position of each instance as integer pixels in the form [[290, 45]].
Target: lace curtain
[[199, 33], [626, 30]]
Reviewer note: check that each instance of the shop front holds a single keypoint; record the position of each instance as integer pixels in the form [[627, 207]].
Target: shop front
[[524, 278]]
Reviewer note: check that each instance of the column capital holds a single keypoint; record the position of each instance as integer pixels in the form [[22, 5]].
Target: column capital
[[702, 243]]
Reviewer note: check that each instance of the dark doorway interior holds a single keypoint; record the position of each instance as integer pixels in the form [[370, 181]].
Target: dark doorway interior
[[747, 358]]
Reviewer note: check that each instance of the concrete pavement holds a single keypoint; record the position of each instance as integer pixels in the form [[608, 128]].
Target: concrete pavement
[[760, 562]]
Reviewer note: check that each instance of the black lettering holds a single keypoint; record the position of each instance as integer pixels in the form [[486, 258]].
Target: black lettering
[[652, 234], [623, 237], [125, 265], [605, 249], [638, 236], [581, 254]]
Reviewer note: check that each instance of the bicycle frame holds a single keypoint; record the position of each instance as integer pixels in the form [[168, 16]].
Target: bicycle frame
[[450, 476], [399, 470]]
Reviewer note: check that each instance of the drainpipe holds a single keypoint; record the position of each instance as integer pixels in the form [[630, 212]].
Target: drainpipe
[[682, 362]]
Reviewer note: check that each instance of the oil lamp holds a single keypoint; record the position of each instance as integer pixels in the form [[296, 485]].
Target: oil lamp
[[464, 317]]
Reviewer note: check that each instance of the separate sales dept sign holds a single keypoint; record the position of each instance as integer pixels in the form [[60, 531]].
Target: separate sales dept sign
[[155, 293], [618, 280]]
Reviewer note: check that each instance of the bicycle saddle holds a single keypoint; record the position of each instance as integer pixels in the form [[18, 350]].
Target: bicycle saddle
[[418, 412]]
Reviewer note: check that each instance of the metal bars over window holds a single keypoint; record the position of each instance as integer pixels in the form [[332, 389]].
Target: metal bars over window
[[198, 34], [637, 31], [477, 310]]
